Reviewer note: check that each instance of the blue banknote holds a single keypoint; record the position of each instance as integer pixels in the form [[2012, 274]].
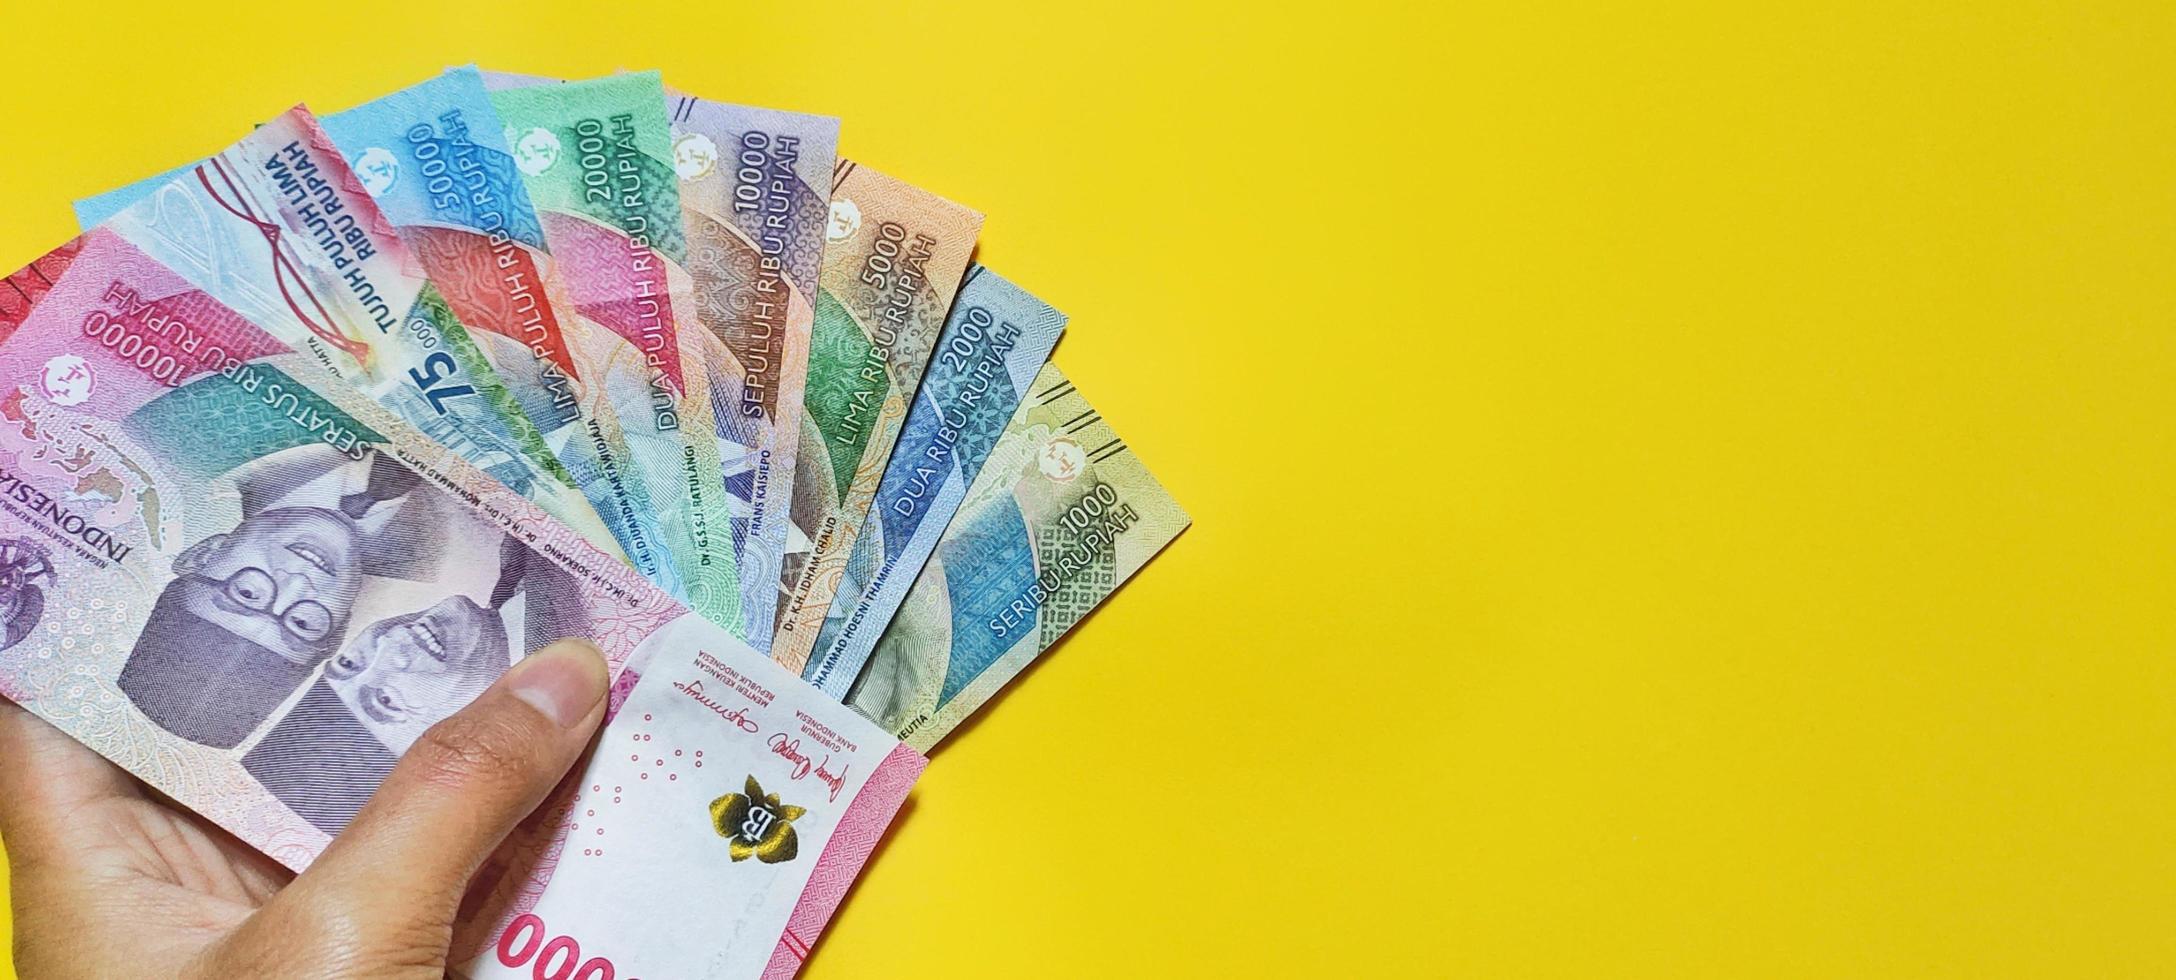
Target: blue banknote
[[996, 339]]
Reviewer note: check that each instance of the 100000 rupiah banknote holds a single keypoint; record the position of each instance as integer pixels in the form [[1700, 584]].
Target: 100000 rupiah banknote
[[277, 226], [893, 259], [1062, 515], [995, 342], [260, 624], [596, 158], [755, 187]]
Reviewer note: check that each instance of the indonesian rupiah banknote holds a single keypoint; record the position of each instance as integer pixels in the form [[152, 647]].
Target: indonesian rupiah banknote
[[260, 625], [755, 189], [434, 156], [997, 339], [596, 158], [279, 227], [1062, 515], [893, 258]]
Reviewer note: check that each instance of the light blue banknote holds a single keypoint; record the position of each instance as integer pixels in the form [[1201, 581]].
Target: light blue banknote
[[99, 208], [997, 338]]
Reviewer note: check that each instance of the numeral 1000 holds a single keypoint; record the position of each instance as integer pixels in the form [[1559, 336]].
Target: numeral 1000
[[524, 944]]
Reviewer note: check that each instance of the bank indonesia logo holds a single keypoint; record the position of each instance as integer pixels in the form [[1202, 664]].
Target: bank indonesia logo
[[67, 380], [378, 169]]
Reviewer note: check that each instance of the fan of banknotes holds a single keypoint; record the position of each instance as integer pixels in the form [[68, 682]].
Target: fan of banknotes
[[304, 444]]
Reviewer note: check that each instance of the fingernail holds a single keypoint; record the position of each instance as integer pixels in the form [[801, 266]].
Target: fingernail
[[564, 681]]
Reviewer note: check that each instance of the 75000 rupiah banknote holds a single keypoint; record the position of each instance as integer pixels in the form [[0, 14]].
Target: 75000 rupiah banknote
[[755, 186], [996, 340], [279, 227], [1062, 515], [596, 158], [260, 624], [893, 259]]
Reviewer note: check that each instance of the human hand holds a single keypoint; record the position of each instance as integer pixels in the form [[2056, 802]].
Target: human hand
[[112, 881]]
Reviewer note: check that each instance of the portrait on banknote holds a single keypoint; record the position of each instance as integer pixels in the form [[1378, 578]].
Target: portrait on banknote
[[399, 674]]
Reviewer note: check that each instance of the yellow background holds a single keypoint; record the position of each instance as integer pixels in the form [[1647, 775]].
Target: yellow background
[[1680, 489]]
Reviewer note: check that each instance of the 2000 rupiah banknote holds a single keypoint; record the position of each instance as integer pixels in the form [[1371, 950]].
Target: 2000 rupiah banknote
[[260, 624], [893, 260], [995, 342], [278, 226], [1062, 515], [596, 158], [755, 188]]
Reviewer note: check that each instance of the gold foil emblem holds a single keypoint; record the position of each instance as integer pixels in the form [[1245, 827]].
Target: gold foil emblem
[[755, 825]]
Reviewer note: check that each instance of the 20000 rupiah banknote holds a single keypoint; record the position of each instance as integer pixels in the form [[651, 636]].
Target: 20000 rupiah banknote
[[1062, 515], [596, 158], [893, 260], [260, 624], [279, 227], [996, 340], [755, 186]]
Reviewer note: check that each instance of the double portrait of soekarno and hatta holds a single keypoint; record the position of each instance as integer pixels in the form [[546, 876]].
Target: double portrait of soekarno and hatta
[[352, 606]]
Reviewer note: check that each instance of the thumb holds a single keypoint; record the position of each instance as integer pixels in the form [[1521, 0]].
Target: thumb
[[391, 884]]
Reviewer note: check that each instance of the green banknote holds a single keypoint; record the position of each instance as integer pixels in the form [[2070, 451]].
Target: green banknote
[[1061, 516], [596, 159], [893, 261]]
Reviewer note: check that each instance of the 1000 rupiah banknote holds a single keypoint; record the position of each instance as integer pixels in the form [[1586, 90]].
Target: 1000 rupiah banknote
[[260, 624], [279, 227], [755, 188], [596, 158], [893, 260], [996, 341], [1062, 515]]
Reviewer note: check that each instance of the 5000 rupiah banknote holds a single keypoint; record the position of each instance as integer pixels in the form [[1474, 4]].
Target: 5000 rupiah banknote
[[596, 158], [1062, 515], [892, 262], [260, 624], [755, 188], [998, 337], [279, 227]]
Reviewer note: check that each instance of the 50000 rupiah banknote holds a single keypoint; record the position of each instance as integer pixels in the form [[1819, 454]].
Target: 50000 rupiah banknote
[[259, 625], [998, 337], [755, 186], [277, 226], [596, 158], [1062, 515], [893, 259]]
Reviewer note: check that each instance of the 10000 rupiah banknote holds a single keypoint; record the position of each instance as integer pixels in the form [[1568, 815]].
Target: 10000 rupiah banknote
[[755, 186], [1062, 515], [277, 226], [995, 342], [260, 624], [596, 159], [893, 260]]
